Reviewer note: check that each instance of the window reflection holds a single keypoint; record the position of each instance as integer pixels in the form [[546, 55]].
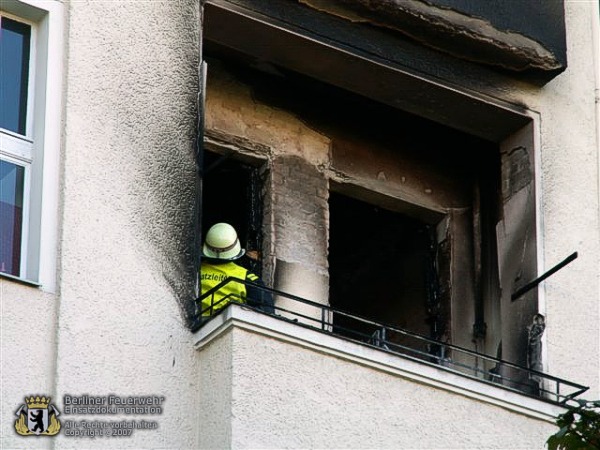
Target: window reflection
[[11, 216], [14, 74]]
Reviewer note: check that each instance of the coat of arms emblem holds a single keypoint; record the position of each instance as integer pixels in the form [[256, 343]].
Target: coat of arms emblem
[[38, 417]]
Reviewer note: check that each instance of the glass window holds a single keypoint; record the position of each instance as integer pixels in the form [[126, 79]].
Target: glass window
[[12, 185], [15, 38], [31, 55], [15, 148]]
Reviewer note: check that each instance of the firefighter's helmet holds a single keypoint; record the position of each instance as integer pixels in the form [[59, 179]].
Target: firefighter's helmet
[[222, 243]]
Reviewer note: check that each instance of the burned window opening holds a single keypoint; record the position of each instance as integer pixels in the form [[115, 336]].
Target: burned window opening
[[438, 304], [232, 193], [382, 266], [433, 171]]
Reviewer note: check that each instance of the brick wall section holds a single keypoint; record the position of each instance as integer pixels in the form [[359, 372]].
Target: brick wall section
[[299, 212], [516, 171]]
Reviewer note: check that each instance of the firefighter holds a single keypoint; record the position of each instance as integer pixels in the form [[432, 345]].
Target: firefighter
[[221, 248]]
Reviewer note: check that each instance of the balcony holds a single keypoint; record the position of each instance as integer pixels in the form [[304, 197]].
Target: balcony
[[297, 378]]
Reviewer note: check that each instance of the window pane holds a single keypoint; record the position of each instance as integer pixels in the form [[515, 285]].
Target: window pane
[[11, 216], [14, 74]]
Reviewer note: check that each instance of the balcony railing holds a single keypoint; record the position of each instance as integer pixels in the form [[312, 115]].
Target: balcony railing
[[469, 363]]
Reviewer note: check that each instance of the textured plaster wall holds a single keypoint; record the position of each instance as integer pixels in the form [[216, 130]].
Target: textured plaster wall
[[570, 204], [215, 394], [128, 202], [27, 355], [287, 396]]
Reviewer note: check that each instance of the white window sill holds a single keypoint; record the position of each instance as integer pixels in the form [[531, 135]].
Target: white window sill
[[243, 318], [20, 280]]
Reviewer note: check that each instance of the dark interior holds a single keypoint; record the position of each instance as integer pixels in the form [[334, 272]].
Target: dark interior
[[381, 262], [231, 193], [378, 263]]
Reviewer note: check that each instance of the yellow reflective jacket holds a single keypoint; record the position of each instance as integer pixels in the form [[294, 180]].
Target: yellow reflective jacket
[[213, 274]]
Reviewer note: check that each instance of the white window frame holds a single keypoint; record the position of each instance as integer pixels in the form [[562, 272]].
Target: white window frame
[[39, 149], [17, 149]]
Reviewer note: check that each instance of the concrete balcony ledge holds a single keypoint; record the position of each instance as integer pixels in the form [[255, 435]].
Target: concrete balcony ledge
[[236, 316]]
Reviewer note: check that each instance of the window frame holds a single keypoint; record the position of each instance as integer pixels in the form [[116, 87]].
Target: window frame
[[38, 150], [17, 148], [28, 136], [25, 214]]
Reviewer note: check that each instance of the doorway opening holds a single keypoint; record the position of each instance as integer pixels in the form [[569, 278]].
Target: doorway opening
[[381, 267], [232, 193]]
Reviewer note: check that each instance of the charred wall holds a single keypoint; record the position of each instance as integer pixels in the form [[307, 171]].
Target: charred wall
[[411, 168], [521, 36]]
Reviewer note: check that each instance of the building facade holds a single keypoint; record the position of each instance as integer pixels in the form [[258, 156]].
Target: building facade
[[397, 172]]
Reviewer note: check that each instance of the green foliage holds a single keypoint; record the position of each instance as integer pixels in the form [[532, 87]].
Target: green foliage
[[579, 428]]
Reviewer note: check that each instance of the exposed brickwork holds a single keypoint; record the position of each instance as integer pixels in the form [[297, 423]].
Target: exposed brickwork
[[298, 210], [516, 171]]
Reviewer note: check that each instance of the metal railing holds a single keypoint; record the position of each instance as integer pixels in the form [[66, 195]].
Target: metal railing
[[391, 339]]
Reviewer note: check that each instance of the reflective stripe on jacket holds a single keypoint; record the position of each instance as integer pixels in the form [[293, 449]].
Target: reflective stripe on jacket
[[212, 275]]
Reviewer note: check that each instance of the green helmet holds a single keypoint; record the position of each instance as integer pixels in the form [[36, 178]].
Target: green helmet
[[222, 243]]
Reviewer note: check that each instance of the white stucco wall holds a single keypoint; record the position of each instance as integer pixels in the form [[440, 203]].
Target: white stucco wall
[[27, 356], [129, 192], [215, 394], [28, 311], [295, 388], [568, 160], [128, 202], [293, 398], [115, 323], [570, 205]]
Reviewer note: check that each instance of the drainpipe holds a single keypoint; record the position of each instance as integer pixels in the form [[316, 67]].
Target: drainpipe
[[596, 56], [596, 44]]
